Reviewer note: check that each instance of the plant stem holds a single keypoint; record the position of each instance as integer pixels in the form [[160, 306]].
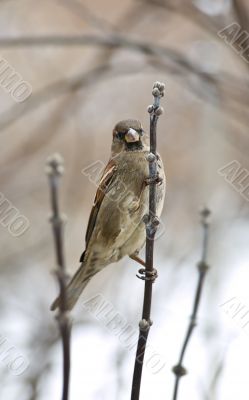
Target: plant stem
[[178, 369], [54, 170], [152, 223]]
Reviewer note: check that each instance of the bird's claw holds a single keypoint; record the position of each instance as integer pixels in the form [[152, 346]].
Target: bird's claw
[[151, 180], [147, 275]]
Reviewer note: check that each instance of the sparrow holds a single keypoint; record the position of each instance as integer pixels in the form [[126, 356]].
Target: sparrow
[[116, 227]]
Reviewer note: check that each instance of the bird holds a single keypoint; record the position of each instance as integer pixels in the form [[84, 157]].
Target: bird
[[116, 224]]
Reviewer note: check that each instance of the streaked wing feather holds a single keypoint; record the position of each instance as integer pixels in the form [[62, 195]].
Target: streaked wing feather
[[103, 188]]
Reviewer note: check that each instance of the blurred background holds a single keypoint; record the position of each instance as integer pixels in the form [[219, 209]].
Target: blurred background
[[91, 64]]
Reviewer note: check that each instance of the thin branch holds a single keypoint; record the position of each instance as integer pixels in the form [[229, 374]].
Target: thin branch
[[149, 274], [178, 369], [188, 10], [170, 59], [110, 41], [54, 170], [213, 388], [131, 17], [54, 90], [81, 10]]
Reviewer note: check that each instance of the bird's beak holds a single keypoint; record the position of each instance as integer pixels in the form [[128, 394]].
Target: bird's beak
[[132, 136]]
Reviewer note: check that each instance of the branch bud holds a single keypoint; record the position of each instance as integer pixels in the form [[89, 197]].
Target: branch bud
[[144, 325], [151, 157], [156, 92], [150, 109], [159, 111], [54, 164]]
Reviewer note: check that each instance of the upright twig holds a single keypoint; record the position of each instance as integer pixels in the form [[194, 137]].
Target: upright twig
[[178, 369], [54, 171], [152, 222]]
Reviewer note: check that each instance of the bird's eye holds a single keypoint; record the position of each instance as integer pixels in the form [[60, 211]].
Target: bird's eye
[[119, 135], [141, 132]]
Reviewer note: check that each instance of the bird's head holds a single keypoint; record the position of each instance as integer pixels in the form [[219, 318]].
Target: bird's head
[[128, 135]]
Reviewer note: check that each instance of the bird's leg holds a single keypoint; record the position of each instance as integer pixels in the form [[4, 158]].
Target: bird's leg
[[155, 179], [137, 205], [145, 183], [144, 274], [137, 259]]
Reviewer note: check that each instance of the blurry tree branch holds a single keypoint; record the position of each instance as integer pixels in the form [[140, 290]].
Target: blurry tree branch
[[50, 92], [131, 18], [42, 341], [232, 90], [109, 41], [54, 170], [179, 369], [213, 389], [209, 24], [187, 9], [81, 10]]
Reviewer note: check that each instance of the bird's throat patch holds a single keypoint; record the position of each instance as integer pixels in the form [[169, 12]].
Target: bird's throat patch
[[133, 146]]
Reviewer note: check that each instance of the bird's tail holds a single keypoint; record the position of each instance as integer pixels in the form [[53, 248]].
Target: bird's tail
[[74, 288]]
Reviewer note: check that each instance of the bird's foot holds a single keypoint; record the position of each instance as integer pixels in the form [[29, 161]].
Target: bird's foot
[[147, 275], [144, 274], [152, 180]]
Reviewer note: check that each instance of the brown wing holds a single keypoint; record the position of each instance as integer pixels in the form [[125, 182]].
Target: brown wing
[[103, 188]]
